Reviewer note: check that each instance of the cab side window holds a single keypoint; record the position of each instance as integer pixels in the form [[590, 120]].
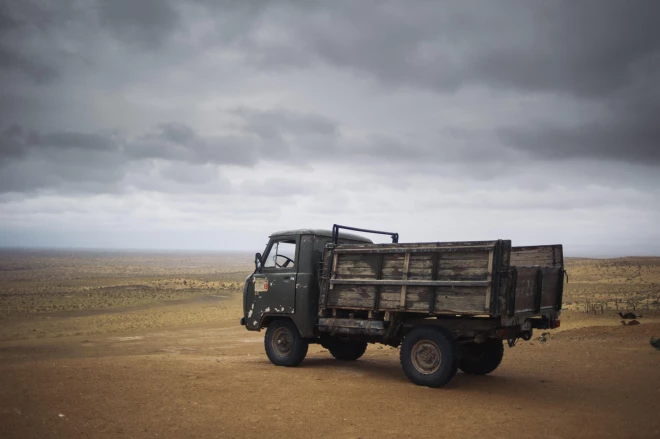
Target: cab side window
[[282, 254]]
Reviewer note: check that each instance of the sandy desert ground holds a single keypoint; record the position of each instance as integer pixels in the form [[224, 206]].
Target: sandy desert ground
[[141, 345]]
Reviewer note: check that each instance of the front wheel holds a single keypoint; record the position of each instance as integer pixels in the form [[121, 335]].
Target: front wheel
[[481, 358], [428, 357], [284, 345]]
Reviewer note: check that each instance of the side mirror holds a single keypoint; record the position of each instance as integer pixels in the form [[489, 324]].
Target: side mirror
[[257, 262]]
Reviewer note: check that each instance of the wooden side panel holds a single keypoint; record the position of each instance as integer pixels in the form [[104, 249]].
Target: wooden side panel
[[356, 266], [446, 262], [525, 289], [551, 279], [350, 296], [420, 266], [393, 266], [419, 298], [541, 255], [390, 297], [468, 300], [528, 288]]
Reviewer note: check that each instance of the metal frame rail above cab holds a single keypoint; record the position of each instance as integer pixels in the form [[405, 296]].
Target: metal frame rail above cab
[[336, 227]]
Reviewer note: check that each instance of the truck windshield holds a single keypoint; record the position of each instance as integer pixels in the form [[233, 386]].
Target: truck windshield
[[282, 254]]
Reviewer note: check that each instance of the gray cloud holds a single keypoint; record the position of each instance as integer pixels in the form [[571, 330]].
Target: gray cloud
[[146, 22], [61, 160], [178, 142], [254, 115], [13, 61], [626, 129], [586, 48]]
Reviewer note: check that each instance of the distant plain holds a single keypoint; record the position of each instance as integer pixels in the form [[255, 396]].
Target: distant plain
[[139, 344]]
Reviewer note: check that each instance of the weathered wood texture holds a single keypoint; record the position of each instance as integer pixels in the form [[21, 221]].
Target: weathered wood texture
[[541, 255], [469, 278], [391, 277], [537, 288]]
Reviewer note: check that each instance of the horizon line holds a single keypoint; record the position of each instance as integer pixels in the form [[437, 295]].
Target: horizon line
[[197, 250]]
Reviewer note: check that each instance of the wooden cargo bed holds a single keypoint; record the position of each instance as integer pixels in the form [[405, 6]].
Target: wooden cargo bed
[[435, 278], [457, 278]]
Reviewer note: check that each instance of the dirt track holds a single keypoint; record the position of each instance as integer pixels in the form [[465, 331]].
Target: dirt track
[[213, 380]]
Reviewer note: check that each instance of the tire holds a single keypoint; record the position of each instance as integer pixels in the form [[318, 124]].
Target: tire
[[481, 358], [346, 350], [428, 357], [284, 345]]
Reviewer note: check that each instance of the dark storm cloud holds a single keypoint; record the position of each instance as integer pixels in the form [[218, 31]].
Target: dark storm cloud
[[73, 161], [146, 22], [597, 52], [13, 61], [582, 48], [179, 142], [625, 130], [68, 139], [274, 124], [600, 52]]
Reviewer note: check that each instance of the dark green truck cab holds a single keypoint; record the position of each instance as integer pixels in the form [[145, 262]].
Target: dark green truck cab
[[449, 305], [285, 283]]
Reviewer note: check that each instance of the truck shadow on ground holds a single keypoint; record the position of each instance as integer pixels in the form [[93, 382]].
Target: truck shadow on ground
[[523, 388], [366, 367]]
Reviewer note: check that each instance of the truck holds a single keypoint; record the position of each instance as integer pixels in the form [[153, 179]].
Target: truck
[[446, 305]]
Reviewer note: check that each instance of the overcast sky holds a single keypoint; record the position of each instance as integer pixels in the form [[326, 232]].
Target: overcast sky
[[205, 124]]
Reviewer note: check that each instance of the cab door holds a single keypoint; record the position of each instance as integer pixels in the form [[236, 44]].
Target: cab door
[[273, 289]]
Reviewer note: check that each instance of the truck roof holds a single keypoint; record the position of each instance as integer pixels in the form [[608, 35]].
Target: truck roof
[[322, 232]]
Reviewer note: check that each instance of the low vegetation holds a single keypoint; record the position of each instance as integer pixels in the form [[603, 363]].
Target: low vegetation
[[621, 284]]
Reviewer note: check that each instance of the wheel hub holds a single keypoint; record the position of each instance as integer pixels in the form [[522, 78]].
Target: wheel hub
[[426, 357], [282, 341]]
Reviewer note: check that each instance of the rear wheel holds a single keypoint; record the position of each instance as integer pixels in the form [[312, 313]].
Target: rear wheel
[[481, 358], [346, 350], [428, 357], [284, 345]]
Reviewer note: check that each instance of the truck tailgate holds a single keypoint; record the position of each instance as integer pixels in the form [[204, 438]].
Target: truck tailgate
[[538, 273]]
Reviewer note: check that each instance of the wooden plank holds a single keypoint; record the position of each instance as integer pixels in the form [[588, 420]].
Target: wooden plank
[[333, 273], [344, 270], [379, 274], [550, 286], [525, 288], [359, 296], [460, 304], [350, 303], [418, 298], [403, 250], [344, 267], [397, 282], [481, 262], [423, 263], [489, 277], [404, 287], [461, 271], [427, 244], [434, 276], [549, 255]]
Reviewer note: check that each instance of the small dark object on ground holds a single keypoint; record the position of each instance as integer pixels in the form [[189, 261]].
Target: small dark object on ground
[[655, 342], [628, 315]]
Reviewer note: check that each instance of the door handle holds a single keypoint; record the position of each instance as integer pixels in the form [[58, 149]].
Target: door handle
[[288, 278]]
